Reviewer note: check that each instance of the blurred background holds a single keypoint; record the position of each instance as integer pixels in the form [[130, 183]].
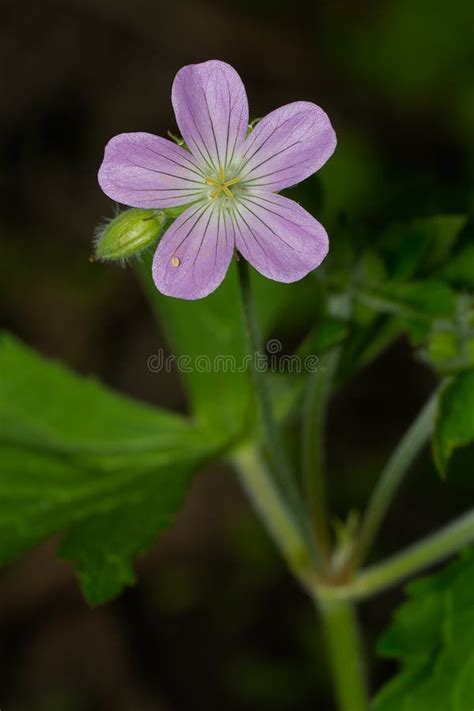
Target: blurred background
[[215, 621]]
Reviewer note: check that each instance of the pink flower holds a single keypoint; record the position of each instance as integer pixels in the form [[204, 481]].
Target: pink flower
[[228, 180]]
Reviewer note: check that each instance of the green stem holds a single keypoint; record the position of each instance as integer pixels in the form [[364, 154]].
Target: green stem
[[270, 429], [274, 512], [427, 552], [391, 478], [313, 445], [284, 476], [343, 640]]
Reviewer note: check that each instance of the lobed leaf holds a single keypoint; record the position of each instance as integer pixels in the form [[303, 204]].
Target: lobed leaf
[[431, 636], [455, 421], [76, 457]]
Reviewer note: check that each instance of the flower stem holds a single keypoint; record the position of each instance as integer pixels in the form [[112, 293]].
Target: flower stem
[[392, 476], [274, 512], [427, 552], [285, 478], [313, 446], [344, 646]]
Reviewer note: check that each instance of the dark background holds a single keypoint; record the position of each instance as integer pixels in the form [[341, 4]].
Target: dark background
[[215, 622]]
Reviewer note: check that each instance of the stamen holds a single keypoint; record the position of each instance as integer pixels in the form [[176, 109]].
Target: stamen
[[221, 184], [175, 261]]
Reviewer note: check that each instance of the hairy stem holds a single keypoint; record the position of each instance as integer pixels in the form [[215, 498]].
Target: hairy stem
[[391, 478], [274, 512], [410, 561], [427, 552], [313, 446], [285, 478], [345, 653], [338, 615]]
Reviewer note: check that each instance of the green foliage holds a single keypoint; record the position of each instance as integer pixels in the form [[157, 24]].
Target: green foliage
[[408, 47], [76, 457], [210, 334], [420, 246], [443, 348], [326, 334], [455, 420], [417, 299], [431, 637], [111, 473], [459, 269], [399, 286]]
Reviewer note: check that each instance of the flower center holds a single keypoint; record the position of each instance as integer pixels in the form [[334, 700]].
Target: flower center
[[222, 185]]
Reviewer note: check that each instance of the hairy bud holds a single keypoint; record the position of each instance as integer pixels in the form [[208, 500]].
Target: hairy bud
[[130, 233]]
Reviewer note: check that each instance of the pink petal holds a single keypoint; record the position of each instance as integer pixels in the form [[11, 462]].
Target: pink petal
[[212, 112], [195, 252], [143, 170], [287, 146], [280, 239]]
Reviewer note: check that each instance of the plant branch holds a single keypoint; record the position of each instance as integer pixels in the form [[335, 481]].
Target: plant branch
[[391, 478], [429, 551], [274, 512], [285, 478], [313, 445]]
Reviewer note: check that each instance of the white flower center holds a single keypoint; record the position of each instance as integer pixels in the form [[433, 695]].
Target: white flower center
[[221, 184]]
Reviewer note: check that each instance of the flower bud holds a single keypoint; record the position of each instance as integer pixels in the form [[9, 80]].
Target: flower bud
[[130, 233]]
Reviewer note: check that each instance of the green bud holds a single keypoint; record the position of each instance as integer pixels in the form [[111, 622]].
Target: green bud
[[130, 233], [252, 125]]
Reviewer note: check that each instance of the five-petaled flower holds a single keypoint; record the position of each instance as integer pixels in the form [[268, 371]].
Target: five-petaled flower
[[228, 180]]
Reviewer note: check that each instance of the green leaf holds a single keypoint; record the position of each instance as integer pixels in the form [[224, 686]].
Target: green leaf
[[76, 457], [407, 248], [414, 300], [443, 231], [459, 269], [210, 334], [431, 636], [326, 334], [421, 245], [455, 419], [369, 273]]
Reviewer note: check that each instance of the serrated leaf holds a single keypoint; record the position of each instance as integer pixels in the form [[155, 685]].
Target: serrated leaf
[[432, 637], [455, 420], [76, 457]]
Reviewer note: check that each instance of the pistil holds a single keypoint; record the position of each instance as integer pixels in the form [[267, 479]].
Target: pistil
[[222, 185]]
